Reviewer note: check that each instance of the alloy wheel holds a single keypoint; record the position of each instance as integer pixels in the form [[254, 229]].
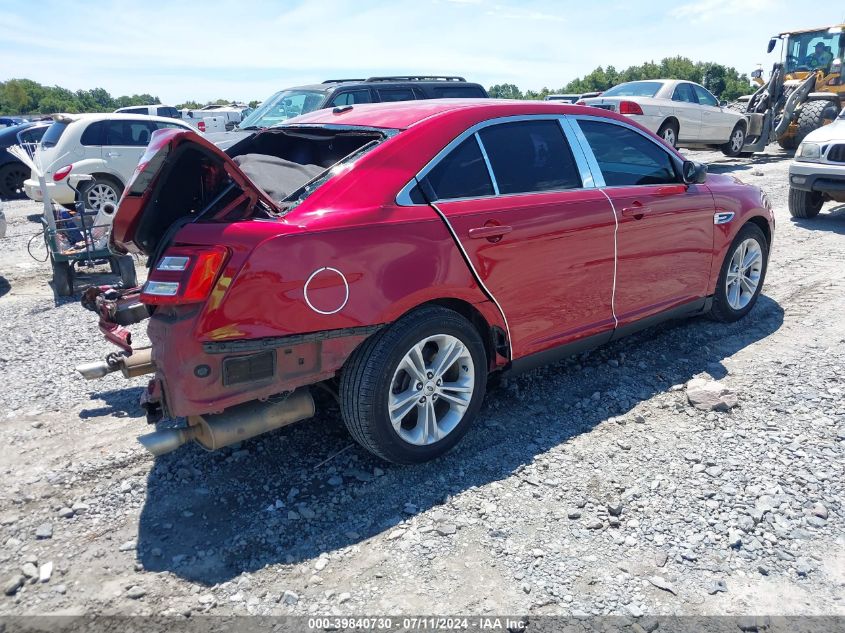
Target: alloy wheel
[[744, 272], [99, 194], [737, 141], [669, 136], [431, 389]]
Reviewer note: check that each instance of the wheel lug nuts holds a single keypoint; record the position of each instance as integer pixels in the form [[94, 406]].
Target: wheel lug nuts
[[439, 382], [419, 386], [430, 375], [422, 399]]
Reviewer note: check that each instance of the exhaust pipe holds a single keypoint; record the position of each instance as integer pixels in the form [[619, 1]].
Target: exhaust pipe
[[238, 423], [140, 363]]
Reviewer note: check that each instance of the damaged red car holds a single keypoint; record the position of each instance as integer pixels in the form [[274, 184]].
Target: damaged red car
[[399, 254]]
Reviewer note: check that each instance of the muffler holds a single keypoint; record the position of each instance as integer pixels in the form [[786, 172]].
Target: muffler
[[238, 423], [138, 364]]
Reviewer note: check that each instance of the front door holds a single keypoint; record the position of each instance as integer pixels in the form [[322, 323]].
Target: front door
[[665, 235], [541, 242]]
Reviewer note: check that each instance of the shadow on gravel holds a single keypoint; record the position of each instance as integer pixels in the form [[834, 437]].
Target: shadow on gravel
[[307, 489], [746, 164], [832, 221], [5, 286], [119, 403]]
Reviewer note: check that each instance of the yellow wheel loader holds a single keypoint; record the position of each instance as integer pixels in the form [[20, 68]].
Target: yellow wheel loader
[[805, 90]]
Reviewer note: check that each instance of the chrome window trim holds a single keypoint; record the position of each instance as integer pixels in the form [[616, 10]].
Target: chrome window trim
[[591, 176], [403, 198], [489, 166], [676, 162]]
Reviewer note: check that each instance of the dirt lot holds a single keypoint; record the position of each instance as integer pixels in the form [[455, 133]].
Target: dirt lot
[[587, 487]]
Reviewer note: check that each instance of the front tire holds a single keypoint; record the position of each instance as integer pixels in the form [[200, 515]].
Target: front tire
[[742, 275], [735, 143], [669, 133], [804, 204], [410, 392], [813, 115]]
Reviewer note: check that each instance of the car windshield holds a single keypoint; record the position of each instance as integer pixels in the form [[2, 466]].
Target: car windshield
[[282, 106], [809, 51], [634, 89], [54, 133], [842, 114]]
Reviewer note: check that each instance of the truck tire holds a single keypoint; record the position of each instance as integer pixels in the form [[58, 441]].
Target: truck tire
[[410, 392], [812, 116], [804, 204]]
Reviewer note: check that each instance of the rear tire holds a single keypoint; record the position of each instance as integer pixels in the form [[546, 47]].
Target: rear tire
[[813, 116], [62, 278], [804, 204], [102, 190], [409, 412], [744, 265], [736, 142], [669, 133]]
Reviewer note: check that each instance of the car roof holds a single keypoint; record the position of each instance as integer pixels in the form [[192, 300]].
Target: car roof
[[102, 116], [404, 114]]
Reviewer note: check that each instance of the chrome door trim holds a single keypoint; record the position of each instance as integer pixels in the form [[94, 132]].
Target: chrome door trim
[[403, 198], [489, 166], [585, 156]]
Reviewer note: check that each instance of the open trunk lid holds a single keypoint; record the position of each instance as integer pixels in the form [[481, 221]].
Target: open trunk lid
[[181, 178], [184, 178]]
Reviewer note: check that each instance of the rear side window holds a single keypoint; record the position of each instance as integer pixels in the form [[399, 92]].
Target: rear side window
[[458, 92], [32, 135], [94, 134], [685, 94], [530, 156], [168, 111], [53, 134], [350, 98], [626, 157], [461, 174], [396, 94], [135, 111], [128, 133]]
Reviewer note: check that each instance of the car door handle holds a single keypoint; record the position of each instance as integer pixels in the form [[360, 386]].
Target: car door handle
[[636, 211], [489, 231], [112, 154]]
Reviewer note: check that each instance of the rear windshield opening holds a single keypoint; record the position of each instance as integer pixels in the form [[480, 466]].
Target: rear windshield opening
[[283, 161], [54, 133], [634, 89]]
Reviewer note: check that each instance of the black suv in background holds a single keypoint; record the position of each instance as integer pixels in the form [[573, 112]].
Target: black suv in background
[[341, 92]]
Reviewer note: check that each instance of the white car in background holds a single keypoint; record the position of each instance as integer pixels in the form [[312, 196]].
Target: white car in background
[[106, 146], [818, 172], [682, 113]]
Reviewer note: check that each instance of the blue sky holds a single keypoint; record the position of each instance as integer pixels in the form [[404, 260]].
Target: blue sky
[[206, 49]]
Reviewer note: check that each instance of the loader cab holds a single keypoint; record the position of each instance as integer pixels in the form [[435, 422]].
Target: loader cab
[[806, 52]]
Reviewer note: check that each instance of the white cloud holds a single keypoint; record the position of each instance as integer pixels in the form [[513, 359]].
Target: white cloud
[[711, 10]]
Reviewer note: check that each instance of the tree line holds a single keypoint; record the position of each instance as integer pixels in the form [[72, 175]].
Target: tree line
[[723, 81], [24, 96]]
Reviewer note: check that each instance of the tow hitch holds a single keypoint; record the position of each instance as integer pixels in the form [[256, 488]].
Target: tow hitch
[[138, 364]]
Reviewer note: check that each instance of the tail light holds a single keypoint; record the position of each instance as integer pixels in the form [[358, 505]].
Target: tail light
[[184, 274], [201, 126], [61, 174], [629, 107]]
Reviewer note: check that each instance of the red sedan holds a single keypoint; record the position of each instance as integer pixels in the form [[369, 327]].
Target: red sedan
[[398, 254]]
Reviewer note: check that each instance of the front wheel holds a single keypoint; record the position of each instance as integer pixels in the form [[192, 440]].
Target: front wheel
[[804, 204], [741, 278], [410, 392], [736, 142]]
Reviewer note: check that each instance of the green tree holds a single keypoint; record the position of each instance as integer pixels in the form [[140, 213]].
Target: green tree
[[505, 91]]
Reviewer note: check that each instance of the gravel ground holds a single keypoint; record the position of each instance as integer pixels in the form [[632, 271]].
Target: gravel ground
[[588, 487]]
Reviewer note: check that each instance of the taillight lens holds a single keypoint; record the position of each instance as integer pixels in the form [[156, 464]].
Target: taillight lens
[[184, 274], [201, 126], [61, 173], [629, 107]]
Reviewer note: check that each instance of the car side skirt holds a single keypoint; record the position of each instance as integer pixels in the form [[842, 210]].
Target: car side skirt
[[546, 357]]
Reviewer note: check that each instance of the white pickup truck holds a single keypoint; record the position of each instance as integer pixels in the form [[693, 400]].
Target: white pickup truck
[[204, 122]]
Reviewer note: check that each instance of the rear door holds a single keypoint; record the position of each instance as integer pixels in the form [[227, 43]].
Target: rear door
[[688, 112], [537, 232], [665, 234], [125, 142]]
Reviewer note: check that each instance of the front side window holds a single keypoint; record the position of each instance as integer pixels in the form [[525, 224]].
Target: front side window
[[626, 157], [462, 173], [528, 156], [704, 97], [352, 97], [396, 94]]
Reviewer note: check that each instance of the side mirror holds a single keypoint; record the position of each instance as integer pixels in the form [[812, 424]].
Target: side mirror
[[757, 73], [772, 43], [694, 173], [723, 104]]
